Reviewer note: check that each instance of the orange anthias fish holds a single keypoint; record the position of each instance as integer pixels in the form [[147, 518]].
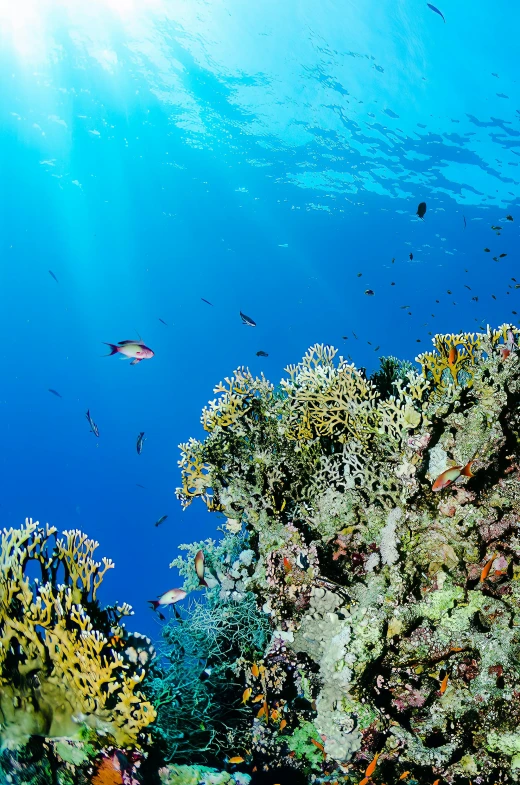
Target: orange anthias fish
[[236, 759], [287, 565], [255, 671], [444, 684], [318, 745], [135, 349], [452, 356], [199, 568], [449, 476], [168, 598], [404, 775], [246, 695], [486, 568]]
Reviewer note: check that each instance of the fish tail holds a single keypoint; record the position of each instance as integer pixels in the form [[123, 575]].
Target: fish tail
[[202, 582], [113, 349], [467, 469], [154, 603]]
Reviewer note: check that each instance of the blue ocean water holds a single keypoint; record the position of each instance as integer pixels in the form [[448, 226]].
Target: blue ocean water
[[261, 156]]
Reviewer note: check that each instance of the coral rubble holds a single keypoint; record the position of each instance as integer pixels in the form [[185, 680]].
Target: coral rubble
[[394, 610]]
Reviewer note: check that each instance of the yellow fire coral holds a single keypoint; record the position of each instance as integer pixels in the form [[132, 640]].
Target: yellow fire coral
[[57, 671], [452, 361]]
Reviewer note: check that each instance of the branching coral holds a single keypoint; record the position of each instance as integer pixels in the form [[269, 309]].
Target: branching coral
[[57, 671], [396, 608]]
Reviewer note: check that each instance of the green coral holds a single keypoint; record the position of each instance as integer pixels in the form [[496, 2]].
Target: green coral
[[300, 743]]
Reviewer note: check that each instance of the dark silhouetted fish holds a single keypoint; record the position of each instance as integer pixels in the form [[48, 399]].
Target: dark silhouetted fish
[[163, 322], [421, 210], [262, 354], [140, 486], [501, 255], [55, 392], [51, 273], [161, 520], [509, 217], [411, 256], [93, 427], [247, 320], [206, 301], [140, 440], [436, 11], [464, 221], [487, 250], [369, 292]]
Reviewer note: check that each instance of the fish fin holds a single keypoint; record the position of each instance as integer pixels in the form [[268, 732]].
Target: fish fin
[[154, 603], [137, 360], [123, 343], [113, 349], [202, 582], [467, 469]]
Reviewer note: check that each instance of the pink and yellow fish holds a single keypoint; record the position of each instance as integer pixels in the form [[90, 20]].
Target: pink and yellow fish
[[169, 597], [450, 475], [199, 568], [131, 349]]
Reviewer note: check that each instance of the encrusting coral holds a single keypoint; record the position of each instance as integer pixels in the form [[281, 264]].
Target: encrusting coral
[[395, 607], [65, 662]]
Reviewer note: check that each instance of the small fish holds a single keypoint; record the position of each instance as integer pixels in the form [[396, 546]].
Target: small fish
[[496, 228], [283, 724], [393, 260], [404, 775], [376, 349], [55, 392], [452, 356], [449, 476], [501, 255], [359, 275], [255, 671], [444, 684], [206, 301], [135, 349], [169, 597], [509, 217], [493, 296], [275, 714], [140, 486], [236, 759], [246, 695], [247, 320], [411, 256], [372, 765], [161, 520], [436, 10], [369, 292], [354, 334], [487, 250], [51, 273], [262, 354], [261, 712], [163, 322], [258, 698], [199, 568], [93, 427], [464, 217], [287, 565], [467, 287], [318, 744], [405, 306], [140, 440], [421, 210], [393, 283], [513, 279], [437, 782], [448, 291], [486, 568]]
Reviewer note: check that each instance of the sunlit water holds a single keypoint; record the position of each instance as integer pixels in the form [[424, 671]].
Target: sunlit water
[[261, 156]]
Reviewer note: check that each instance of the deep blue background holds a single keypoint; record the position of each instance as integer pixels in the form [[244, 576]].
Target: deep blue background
[[259, 158]]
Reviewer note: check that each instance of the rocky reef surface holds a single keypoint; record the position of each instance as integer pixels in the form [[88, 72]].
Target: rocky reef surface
[[362, 611]]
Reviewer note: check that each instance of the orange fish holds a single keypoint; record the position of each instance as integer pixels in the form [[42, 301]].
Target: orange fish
[[274, 714], [283, 724], [486, 568], [255, 671], [236, 759], [246, 695], [444, 684], [261, 712], [505, 353], [450, 475], [287, 565], [318, 745], [404, 775], [372, 766], [364, 781], [436, 782], [452, 356], [258, 698]]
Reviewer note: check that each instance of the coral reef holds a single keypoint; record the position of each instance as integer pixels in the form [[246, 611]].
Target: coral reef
[[394, 609], [65, 662]]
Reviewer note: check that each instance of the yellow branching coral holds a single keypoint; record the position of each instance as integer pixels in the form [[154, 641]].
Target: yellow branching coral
[[195, 478], [452, 362], [56, 670], [236, 398]]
